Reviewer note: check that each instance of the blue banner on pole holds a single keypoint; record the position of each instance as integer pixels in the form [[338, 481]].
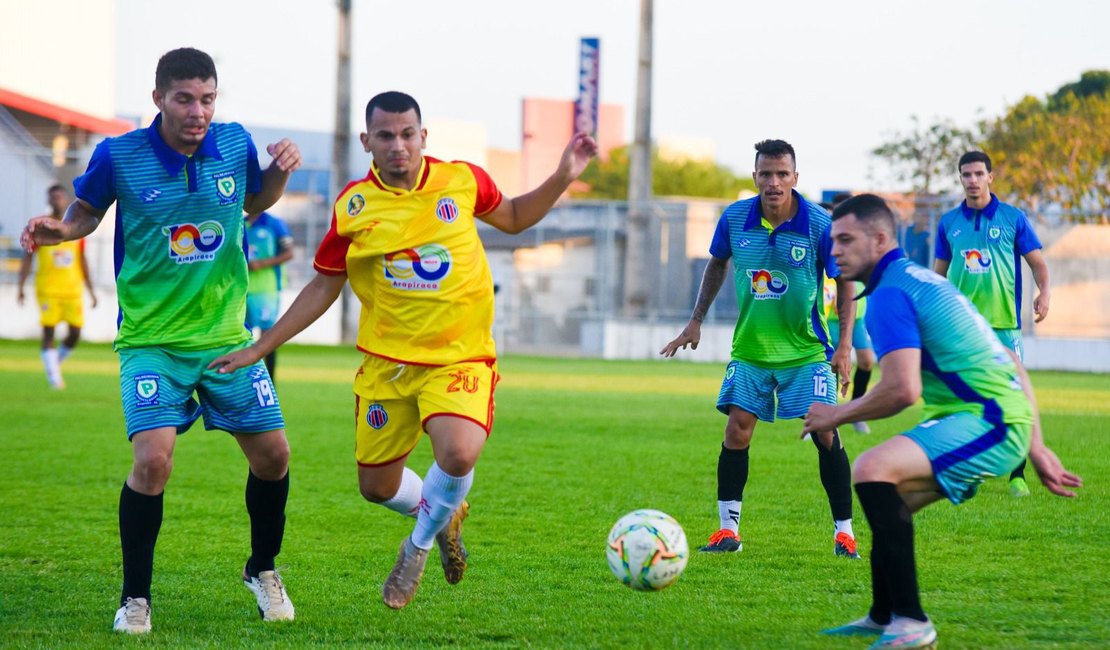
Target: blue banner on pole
[[589, 73]]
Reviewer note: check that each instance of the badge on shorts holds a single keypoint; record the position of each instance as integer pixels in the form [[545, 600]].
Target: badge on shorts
[[730, 372], [146, 390], [376, 416]]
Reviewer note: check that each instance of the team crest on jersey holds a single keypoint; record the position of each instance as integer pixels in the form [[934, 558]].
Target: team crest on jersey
[[976, 261], [148, 195], [418, 269], [194, 243], [767, 285], [798, 253], [146, 389], [446, 210], [376, 416], [994, 233], [355, 205], [226, 190]]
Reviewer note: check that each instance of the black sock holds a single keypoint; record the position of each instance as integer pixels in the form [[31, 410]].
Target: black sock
[[140, 519], [266, 507], [836, 476], [271, 361], [880, 590], [859, 383], [892, 548], [1019, 471], [732, 473]]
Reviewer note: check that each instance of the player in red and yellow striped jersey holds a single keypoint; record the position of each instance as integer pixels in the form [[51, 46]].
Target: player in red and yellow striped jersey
[[406, 238], [60, 272]]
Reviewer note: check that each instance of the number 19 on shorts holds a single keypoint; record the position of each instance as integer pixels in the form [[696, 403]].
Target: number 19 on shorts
[[264, 390]]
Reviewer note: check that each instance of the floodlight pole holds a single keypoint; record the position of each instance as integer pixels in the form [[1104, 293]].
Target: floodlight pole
[[637, 275], [341, 142]]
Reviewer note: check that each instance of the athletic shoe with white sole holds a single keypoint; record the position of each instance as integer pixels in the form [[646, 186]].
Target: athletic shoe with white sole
[[452, 553], [904, 632], [400, 587], [133, 617], [269, 591], [860, 627]]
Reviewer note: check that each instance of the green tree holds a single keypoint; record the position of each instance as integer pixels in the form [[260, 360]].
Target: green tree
[[608, 179], [924, 158], [1056, 151]]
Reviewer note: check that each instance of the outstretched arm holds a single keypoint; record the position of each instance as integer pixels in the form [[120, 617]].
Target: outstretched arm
[[711, 280], [1049, 468], [526, 210], [898, 388], [311, 303]]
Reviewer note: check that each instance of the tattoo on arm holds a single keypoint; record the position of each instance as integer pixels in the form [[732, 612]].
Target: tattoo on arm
[[711, 281]]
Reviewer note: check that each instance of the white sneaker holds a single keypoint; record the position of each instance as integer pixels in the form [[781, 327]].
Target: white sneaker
[[133, 617], [904, 632], [269, 591]]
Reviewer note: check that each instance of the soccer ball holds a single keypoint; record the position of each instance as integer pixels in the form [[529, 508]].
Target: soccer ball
[[647, 550]]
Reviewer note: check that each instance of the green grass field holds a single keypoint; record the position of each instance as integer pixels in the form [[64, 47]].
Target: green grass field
[[577, 444]]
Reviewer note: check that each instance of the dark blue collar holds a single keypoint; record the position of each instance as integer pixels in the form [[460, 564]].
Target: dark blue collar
[[987, 212], [171, 160], [798, 223], [877, 272]]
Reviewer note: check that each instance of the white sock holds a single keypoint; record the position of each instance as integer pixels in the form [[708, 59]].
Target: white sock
[[844, 526], [407, 499], [53, 366], [729, 512], [442, 494], [63, 352]]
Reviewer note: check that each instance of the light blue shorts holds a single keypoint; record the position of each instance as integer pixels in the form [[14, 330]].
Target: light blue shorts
[[860, 339], [756, 389], [1012, 340], [262, 310], [157, 385], [965, 450]]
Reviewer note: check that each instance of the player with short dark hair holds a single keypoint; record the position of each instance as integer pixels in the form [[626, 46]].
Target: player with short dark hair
[[987, 237], [980, 417], [406, 238], [60, 272], [180, 187], [779, 245]]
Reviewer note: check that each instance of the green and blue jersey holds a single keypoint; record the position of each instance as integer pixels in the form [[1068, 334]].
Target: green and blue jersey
[[964, 367], [984, 248], [267, 236], [180, 264], [779, 275]]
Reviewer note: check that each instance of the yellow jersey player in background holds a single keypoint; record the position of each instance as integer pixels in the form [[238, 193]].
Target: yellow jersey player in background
[[60, 271]]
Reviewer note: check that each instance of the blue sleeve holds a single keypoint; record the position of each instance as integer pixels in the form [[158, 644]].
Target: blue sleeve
[[1025, 239], [97, 186], [721, 246], [824, 254], [943, 251], [254, 172], [891, 321]]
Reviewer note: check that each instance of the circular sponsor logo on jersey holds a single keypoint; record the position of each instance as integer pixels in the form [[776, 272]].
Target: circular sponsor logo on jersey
[[355, 205], [376, 416], [446, 210]]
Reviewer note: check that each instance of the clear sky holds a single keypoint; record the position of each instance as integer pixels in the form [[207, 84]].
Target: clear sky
[[833, 78]]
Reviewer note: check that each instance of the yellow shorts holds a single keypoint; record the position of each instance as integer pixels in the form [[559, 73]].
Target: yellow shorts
[[56, 310], [394, 401]]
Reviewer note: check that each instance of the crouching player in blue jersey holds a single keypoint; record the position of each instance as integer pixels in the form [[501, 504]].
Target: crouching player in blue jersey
[[980, 415]]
